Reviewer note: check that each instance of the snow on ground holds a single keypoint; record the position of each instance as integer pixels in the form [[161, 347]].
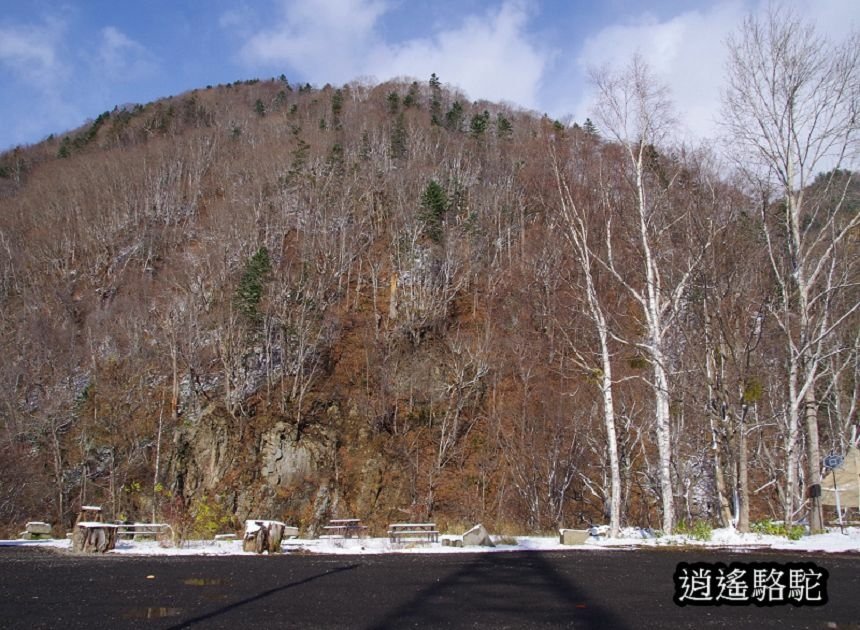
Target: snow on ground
[[833, 541], [630, 538]]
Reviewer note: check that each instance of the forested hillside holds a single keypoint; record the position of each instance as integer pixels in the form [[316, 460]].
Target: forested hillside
[[386, 301]]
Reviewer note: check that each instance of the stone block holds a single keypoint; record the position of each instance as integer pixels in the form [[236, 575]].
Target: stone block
[[478, 536], [38, 527], [36, 530], [573, 536], [94, 537], [263, 536]]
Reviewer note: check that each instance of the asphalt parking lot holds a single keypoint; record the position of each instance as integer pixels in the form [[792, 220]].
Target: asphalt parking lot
[[577, 589]]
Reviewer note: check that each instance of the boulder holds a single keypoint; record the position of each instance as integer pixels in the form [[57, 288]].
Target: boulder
[[478, 536]]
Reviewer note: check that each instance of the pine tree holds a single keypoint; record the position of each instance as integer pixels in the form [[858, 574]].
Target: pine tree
[[411, 98], [479, 123], [454, 117], [250, 291], [65, 149], [589, 128], [336, 108], [393, 103], [434, 203], [504, 127], [435, 100], [398, 138]]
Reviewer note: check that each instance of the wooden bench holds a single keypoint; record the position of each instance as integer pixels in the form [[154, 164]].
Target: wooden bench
[[345, 528], [135, 530], [400, 532]]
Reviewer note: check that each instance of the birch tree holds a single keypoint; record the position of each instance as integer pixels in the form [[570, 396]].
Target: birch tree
[[789, 112], [576, 234], [635, 111]]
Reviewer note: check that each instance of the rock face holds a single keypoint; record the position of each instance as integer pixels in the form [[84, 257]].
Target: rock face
[[250, 466], [202, 452], [478, 536], [284, 460]]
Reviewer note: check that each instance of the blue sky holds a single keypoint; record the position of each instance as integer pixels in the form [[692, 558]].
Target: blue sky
[[63, 62]]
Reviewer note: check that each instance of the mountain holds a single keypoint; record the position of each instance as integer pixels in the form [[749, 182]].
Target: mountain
[[267, 300]]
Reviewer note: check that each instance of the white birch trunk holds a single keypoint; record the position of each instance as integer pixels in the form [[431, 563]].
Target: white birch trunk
[[611, 437], [578, 236], [664, 439], [653, 318]]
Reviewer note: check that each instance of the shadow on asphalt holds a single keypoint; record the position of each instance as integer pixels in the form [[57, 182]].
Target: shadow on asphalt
[[249, 600], [512, 590]]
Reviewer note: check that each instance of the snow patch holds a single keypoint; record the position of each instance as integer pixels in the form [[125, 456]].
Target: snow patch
[[833, 542]]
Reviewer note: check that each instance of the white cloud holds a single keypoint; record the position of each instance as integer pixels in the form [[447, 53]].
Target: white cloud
[[35, 59], [489, 56], [121, 58], [328, 38], [688, 53], [31, 53]]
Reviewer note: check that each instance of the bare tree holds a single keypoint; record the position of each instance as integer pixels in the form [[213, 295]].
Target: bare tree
[[577, 235], [635, 110], [790, 111], [462, 393]]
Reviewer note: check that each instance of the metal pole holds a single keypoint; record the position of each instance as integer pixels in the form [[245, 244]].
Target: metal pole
[[838, 507]]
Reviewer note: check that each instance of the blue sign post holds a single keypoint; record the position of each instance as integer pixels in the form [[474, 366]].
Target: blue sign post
[[832, 462]]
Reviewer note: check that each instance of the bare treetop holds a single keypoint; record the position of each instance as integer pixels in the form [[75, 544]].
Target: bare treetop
[[633, 106], [790, 105]]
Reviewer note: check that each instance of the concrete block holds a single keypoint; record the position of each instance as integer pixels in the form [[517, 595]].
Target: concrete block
[[478, 536], [36, 530], [573, 536], [38, 527]]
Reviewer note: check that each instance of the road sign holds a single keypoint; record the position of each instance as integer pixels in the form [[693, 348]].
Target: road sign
[[833, 461]]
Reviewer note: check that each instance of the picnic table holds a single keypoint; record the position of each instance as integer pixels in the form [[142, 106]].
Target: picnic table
[[344, 528], [89, 514], [398, 532], [141, 530]]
